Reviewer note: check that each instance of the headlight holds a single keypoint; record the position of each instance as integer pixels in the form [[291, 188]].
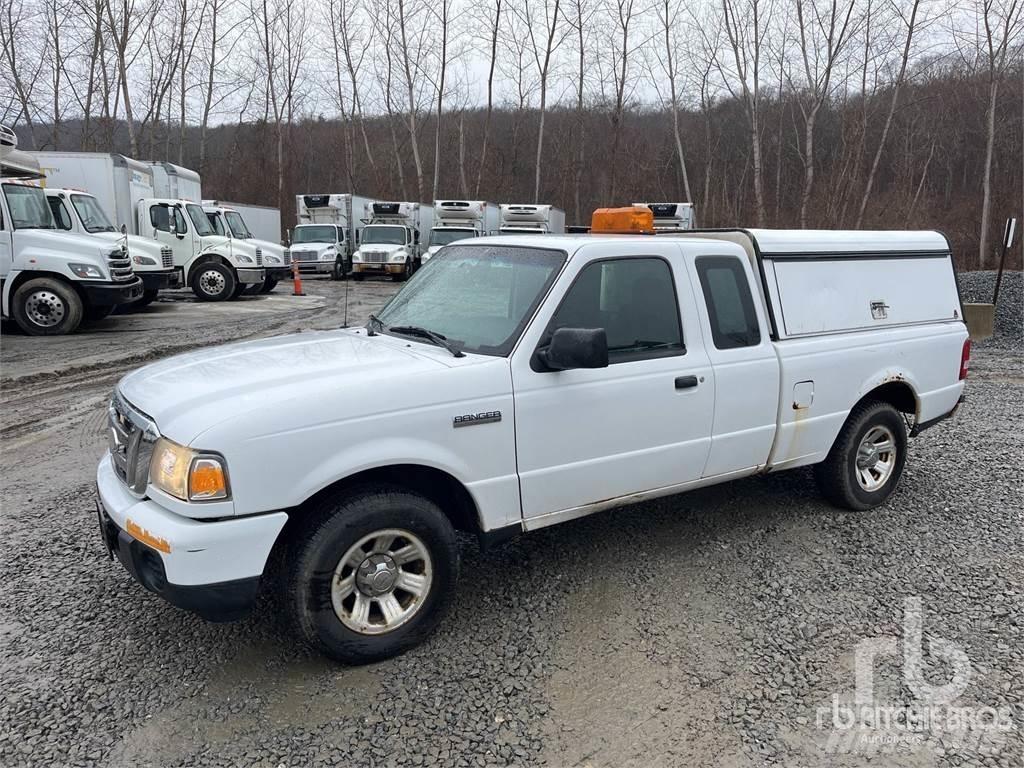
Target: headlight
[[244, 259], [357, 256], [327, 256], [271, 259], [144, 260], [186, 474], [87, 271], [398, 256]]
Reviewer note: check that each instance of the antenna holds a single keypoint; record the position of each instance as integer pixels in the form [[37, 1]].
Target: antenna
[[347, 279]]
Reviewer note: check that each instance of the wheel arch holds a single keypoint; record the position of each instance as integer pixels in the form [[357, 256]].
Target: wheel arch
[[206, 258], [11, 287], [894, 389]]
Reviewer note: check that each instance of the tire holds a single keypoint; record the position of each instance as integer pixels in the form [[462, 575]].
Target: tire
[[859, 472], [403, 276], [96, 312], [148, 297], [213, 281], [253, 289], [332, 530], [268, 285], [240, 288], [357, 276], [45, 306]]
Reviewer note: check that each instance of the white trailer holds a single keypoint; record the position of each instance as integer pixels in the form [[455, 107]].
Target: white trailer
[[391, 239], [529, 219], [262, 221], [176, 182], [458, 220], [672, 217]]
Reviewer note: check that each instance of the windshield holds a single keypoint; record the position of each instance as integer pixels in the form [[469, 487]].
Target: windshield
[[479, 297], [29, 209], [313, 235], [199, 220], [216, 223], [94, 218], [384, 234], [445, 236], [238, 228]]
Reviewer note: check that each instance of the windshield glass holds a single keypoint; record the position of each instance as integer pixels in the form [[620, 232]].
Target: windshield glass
[[313, 235], [29, 209], [479, 297], [94, 218], [384, 234], [238, 228], [216, 223], [445, 236], [199, 220]]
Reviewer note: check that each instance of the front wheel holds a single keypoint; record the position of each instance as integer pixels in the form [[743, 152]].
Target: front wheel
[[96, 312], [46, 306], [214, 281], [402, 276], [268, 285], [371, 574], [866, 461]]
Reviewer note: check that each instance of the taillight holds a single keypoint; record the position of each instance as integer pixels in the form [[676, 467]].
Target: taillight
[[965, 359]]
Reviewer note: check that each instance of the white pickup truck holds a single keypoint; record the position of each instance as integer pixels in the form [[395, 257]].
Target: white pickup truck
[[550, 380]]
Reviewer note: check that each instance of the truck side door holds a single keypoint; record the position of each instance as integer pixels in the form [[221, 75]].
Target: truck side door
[[643, 423], [168, 225]]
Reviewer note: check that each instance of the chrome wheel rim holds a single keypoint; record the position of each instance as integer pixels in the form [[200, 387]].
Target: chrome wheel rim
[[382, 581], [212, 282], [45, 308], [876, 458]]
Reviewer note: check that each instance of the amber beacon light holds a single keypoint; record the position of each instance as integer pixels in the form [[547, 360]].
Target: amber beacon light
[[623, 221]]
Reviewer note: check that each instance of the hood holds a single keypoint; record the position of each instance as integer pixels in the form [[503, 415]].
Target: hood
[[136, 244], [81, 246], [268, 247], [380, 247], [328, 374]]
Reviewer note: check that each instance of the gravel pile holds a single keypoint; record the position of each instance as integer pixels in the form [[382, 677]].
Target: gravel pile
[[709, 628], [1009, 325]]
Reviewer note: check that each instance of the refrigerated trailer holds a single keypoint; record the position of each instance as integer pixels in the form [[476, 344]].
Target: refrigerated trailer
[[458, 220], [529, 219], [672, 217], [391, 239]]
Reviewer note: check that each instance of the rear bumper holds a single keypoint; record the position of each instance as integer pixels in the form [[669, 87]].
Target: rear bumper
[[919, 428], [210, 568], [106, 294], [159, 279]]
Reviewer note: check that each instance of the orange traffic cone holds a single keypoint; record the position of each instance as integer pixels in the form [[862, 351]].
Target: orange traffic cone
[[297, 291]]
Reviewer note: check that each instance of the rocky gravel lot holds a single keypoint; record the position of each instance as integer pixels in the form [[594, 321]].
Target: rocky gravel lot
[[712, 628]]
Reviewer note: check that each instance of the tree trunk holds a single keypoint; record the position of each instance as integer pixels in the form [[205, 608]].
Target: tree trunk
[[986, 183]]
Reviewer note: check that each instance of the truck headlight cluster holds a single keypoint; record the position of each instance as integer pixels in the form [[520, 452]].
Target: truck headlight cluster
[[144, 260], [244, 259], [187, 474], [87, 271], [357, 256], [271, 259], [398, 256]]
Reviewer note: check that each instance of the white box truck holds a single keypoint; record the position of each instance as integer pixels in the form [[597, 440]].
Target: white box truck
[[390, 243], [51, 280], [672, 217], [215, 267], [175, 182], [227, 220], [262, 221], [529, 219], [458, 220], [327, 232]]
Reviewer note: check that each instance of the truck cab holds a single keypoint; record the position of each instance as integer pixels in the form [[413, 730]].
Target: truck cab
[[531, 219], [214, 266], [52, 280], [319, 248], [80, 212], [390, 243], [227, 222], [456, 220]]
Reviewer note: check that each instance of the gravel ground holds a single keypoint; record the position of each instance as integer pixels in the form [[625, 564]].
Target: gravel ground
[[707, 628], [1009, 323]]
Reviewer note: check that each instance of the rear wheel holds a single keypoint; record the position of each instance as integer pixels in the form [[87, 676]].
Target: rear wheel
[[45, 306], [371, 574], [866, 461], [213, 281]]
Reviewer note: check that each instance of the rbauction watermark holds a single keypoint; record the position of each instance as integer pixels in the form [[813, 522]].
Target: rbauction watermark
[[929, 717]]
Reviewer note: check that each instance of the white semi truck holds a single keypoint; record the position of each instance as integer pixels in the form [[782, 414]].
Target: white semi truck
[[215, 267], [51, 280], [458, 220], [390, 242], [529, 219], [327, 232], [672, 217], [227, 221]]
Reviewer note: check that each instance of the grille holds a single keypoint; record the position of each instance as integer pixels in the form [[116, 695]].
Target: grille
[[167, 257], [120, 265], [304, 255], [259, 257], [131, 438], [375, 257]]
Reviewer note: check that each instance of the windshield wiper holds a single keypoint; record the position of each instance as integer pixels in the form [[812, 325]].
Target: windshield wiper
[[374, 320], [436, 338]]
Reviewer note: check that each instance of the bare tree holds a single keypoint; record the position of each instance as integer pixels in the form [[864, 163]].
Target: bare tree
[[669, 27], [124, 26], [491, 20], [12, 33]]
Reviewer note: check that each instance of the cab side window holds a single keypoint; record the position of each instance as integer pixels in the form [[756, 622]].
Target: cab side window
[[634, 300], [180, 225], [730, 305], [61, 217], [159, 217]]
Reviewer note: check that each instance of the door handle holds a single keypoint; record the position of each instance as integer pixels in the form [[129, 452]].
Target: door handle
[[686, 382]]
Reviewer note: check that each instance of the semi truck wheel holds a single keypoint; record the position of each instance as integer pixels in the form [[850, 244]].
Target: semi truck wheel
[[240, 288], [213, 281], [402, 276], [45, 306], [96, 312], [268, 285], [371, 574], [148, 297], [866, 461]]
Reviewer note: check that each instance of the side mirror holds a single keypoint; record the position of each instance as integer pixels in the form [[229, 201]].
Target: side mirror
[[124, 229], [288, 237], [575, 348]]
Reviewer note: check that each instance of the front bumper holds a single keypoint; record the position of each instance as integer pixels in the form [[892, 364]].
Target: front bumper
[[106, 294], [210, 568], [278, 273], [159, 279], [375, 268], [249, 275], [318, 267]]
